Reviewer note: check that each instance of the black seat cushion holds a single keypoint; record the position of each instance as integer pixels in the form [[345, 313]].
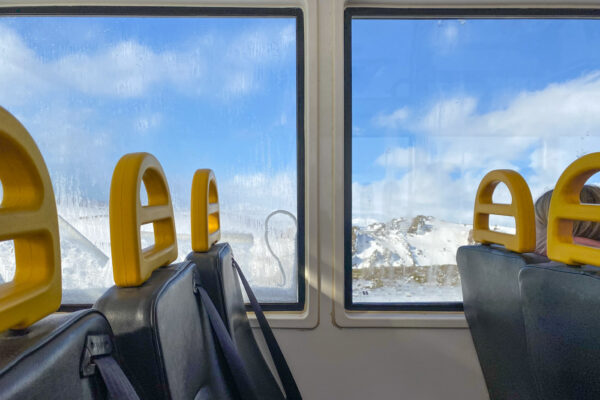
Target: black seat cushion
[[217, 276], [490, 285], [561, 307], [44, 361], [166, 342]]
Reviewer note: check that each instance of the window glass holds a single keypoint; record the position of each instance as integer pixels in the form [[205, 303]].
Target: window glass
[[217, 93], [436, 104]]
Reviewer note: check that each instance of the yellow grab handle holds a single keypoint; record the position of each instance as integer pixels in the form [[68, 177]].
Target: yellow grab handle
[[206, 219], [28, 217], [565, 206], [521, 208], [132, 265]]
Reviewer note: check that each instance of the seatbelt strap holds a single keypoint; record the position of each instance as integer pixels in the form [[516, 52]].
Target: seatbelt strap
[[115, 380], [283, 370], [234, 361]]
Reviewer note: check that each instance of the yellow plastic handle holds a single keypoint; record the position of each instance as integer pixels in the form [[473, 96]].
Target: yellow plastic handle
[[132, 266], [521, 208], [565, 207], [206, 219], [28, 217]]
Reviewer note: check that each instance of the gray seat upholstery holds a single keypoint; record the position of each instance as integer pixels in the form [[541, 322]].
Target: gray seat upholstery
[[489, 276], [217, 276], [562, 319], [166, 341], [44, 361]]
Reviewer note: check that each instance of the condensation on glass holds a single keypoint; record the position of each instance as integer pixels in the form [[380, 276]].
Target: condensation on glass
[[436, 104], [215, 93]]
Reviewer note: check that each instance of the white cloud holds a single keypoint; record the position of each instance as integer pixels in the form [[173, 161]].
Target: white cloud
[[448, 116], [392, 120], [458, 153], [70, 102], [261, 191], [420, 191], [402, 157], [20, 75], [560, 109], [125, 69], [538, 133], [501, 194], [261, 46], [221, 67]]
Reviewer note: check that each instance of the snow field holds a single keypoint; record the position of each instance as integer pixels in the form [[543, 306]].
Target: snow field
[[86, 255]]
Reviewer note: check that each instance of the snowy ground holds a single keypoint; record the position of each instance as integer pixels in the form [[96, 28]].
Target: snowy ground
[[404, 292], [402, 260], [87, 266]]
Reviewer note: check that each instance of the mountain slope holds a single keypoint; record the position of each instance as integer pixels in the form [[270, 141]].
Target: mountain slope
[[420, 241], [407, 260]]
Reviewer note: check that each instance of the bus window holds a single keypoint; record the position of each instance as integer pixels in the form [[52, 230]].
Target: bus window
[[434, 105], [212, 92]]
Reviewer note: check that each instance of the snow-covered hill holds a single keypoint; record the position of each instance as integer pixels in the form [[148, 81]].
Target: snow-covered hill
[[419, 241], [407, 260]]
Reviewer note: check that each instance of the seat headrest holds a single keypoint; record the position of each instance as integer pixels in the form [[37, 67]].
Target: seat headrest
[[27, 217], [206, 219], [132, 265], [566, 207], [521, 208]]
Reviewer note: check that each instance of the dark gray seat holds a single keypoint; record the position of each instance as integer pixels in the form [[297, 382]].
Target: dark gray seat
[[561, 309], [165, 339], [490, 285], [45, 361], [217, 276]]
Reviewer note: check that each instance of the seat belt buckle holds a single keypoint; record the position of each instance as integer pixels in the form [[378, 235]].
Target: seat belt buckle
[[95, 346]]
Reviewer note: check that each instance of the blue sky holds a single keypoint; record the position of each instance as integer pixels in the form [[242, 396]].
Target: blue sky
[[438, 103], [214, 93]]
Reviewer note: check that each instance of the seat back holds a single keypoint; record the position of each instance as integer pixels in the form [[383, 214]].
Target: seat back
[[559, 304], [489, 277], [560, 300], [492, 305], [217, 276], [46, 361], [42, 355], [163, 332], [165, 340]]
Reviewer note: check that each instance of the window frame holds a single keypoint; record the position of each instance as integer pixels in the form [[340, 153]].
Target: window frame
[[291, 11], [352, 13]]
